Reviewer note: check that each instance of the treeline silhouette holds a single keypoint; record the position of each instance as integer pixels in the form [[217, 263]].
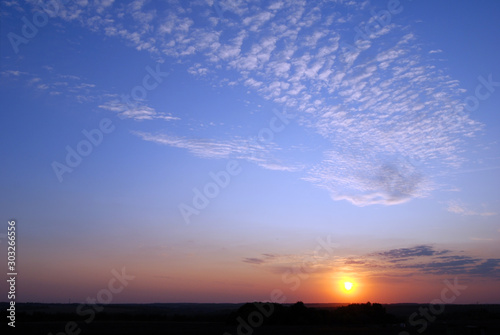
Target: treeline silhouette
[[231, 314], [299, 314], [270, 313]]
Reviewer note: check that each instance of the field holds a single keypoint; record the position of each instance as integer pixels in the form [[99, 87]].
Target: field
[[59, 319]]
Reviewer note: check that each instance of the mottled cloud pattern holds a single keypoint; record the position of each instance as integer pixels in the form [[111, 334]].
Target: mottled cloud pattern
[[387, 115]]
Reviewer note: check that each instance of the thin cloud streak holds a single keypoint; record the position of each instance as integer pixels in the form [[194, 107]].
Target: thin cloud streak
[[261, 154], [457, 207]]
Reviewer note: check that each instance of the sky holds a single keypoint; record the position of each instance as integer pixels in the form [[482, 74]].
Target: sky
[[233, 150]]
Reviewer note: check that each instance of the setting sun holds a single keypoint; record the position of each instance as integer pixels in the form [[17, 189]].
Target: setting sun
[[348, 285]]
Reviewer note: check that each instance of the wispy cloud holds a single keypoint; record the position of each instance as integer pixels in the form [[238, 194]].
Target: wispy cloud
[[253, 260], [436, 51], [457, 207], [246, 149], [14, 73], [351, 262], [137, 112], [205, 148], [54, 83]]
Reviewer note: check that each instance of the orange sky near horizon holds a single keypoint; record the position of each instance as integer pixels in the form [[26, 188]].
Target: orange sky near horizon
[[236, 282]]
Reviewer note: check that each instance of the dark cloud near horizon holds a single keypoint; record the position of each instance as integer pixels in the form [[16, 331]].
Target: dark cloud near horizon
[[428, 260], [423, 259], [489, 267], [403, 254], [252, 260], [458, 265], [265, 259]]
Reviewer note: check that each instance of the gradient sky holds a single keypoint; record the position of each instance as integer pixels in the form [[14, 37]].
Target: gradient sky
[[328, 125]]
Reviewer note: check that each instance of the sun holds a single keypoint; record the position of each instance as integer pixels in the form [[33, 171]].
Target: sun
[[348, 285]]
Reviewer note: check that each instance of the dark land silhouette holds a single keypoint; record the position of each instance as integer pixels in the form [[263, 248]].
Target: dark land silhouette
[[253, 319]]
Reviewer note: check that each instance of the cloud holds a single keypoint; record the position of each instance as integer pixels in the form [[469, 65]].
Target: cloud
[[14, 73], [55, 84], [280, 167], [417, 251], [353, 262], [427, 260], [363, 181], [481, 239], [457, 207], [419, 260], [279, 264], [490, 267], [388, 130], [206, 148], [411, 261], [388, 116], [198, 69], [253, 260], [102, 5], [268, 259], [137, 112], [260, 153]]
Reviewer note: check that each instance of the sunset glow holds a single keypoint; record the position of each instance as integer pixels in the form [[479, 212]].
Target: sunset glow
[[232, 151]]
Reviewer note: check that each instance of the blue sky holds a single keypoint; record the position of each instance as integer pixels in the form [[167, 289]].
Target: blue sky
[[372, 122]]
